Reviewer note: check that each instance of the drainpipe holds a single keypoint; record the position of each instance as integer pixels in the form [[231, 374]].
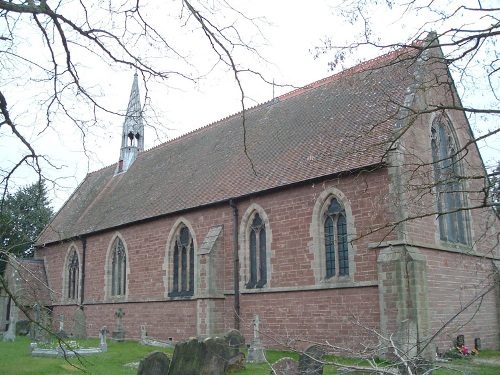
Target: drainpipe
[[236, 267], [84, 248]]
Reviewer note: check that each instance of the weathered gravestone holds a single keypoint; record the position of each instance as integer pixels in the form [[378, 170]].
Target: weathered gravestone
[[10, 335], [103, 344], [119, 334], [256, 350], [311, 361], [235, 341], [477, 343], [41, 324], [79, 325], [156, 363], [22, 327], [61, 333], [207, 357], [285, 366]]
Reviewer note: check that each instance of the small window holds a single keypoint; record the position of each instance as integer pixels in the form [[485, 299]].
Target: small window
[[73, 275], [448, 187], [118, 269], [257, 253], [183, 264], [336, 245]]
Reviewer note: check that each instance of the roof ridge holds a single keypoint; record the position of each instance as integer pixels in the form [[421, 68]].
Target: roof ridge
[[354, 69], [362, 66]]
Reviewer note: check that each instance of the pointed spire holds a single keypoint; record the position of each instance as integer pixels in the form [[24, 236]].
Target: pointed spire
[[133, 130]]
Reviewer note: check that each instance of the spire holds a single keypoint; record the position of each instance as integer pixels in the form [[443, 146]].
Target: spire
[[133, 130]]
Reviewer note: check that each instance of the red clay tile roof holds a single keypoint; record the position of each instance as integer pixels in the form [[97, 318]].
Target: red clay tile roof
[[335, 125]]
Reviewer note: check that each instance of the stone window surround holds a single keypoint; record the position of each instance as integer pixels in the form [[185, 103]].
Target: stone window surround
[[317, 245], [244, 246], [168, 262], [108, 270], [65, 275], [448, 124]]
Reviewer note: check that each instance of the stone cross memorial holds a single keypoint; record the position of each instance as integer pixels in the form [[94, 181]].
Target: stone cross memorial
[[119, 334], [103, 345]]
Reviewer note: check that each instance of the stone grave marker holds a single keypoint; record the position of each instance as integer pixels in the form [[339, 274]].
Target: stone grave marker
[[285, 366], [79, 325], [194, 357], [35, 324], [103, 345], [10, 335], [311, 361], [256, 350], [477, 343], [23, 327], [156, 363], [119, 334], [61, 333], [235, 341]]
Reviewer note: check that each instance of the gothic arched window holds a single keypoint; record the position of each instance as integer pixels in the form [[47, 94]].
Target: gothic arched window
[[73, 275], [183, 264], [118, 268], [336, 245], [257, 253], [449, 189]]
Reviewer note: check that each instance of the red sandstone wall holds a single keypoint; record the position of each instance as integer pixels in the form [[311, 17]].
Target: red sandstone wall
[[454, 281], [329, 315], [308, 313]]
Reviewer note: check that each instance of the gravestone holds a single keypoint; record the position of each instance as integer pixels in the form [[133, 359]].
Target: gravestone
[[41, 323], [207, 357], [22, 327], [103, 344], [10, 335], [156, 363], [119, 334], [79, 325], [311, 361], [35, 324], [61, 333], [145, 340], [235, 341], [256, 350], [477, 343], [285, 366]]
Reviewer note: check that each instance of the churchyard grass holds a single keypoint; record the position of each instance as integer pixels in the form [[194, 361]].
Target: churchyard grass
[[15, 359]]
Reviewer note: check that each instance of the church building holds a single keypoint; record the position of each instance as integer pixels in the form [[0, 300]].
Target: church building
[[333, 212]]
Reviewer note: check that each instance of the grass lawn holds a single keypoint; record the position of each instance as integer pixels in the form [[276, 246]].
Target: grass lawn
[[15, 359]]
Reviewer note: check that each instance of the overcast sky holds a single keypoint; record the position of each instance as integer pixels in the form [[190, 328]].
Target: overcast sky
[[292, 30]]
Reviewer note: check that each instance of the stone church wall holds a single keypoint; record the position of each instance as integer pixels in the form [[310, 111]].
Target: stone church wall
[[293, 304], [293, 301]]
